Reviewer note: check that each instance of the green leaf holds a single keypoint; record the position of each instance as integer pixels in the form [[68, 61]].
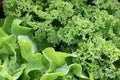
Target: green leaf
[[7, 24], [20, 30], [51, 76], [56, 59], [33, 60], [4, 75], [9, 68], [8, 39], [2, 33], [1, 22], [76, 69]]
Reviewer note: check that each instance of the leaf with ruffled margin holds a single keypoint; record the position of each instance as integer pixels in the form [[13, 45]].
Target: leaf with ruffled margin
[[17, 29], [19, 58], [51, 76], [56, 59], [2, 33], [73, 69], [7, 24], [9, 68], [28, 52]]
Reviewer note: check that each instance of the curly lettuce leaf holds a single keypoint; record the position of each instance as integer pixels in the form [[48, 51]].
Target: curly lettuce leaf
[[2, 33], [28, 52], [56, 59], [20, 30], [51, 76], [6, 27], [1, 22], [9, 68], [73, 69]]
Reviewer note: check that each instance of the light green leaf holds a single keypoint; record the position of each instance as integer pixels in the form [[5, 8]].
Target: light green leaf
[[7, 24], [8, 39], [4, 74], [9, 67], [20, 30], [2, 33], [33, 60], [51, 76], [56, 59]]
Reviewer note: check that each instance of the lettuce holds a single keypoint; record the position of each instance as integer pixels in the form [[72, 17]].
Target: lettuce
[[10, 69], [20, 59], [47, 33], [56, 59]]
